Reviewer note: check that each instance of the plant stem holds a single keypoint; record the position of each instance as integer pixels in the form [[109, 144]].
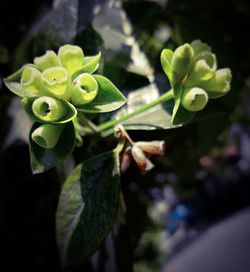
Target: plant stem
[[163, 98]]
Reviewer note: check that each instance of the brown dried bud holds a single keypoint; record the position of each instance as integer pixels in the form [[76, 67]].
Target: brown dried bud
[[153, 147], [125, 159], [141, 160]]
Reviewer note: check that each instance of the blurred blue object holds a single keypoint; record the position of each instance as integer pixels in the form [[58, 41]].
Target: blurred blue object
[[178, 217], [181, 212]]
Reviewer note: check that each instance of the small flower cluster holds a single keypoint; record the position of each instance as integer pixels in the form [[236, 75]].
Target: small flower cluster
[[193, 67], [138, 151], [59, 76], [53, 87]]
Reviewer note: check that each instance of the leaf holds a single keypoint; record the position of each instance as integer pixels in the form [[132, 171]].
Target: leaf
[[87, 207], [71, 110], [13, 82], [90, 65], [166, 57], [180, 115], [109, 98], [44, 159]]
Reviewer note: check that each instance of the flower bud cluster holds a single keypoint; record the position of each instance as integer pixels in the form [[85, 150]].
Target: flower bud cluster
[[53, 86], [194, 67]]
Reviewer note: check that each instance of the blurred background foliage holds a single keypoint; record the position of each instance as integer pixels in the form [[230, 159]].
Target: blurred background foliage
[[204, 174]]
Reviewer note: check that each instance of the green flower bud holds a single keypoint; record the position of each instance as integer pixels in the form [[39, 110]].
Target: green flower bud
[[47, 135], [31, 80], [219, 84], [199, 47], [57, 82], [48, 109], [209, 58], [49, 59], [182, 61], [194, 99], [71, 57], [202, 72], [84, 90]]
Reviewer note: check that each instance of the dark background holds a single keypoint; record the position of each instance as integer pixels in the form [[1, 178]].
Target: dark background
[[205, 170]]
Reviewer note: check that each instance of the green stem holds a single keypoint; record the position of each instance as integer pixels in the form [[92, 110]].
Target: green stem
[[163, 98]]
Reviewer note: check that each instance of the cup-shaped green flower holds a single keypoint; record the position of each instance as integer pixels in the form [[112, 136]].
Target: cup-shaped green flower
[[47, 135], [48, 109], [31, 80], [209, 58], [205, 65], [199, 47], [85, 89], [194, 99], [219, 84], [182, 62], [71, 57], [49, 59], [57, 82], [201, 72]]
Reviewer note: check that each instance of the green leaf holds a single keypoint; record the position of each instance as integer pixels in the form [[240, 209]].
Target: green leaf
[[13, 82], [90, 65], [180, 115], [70, 115], [166, 57], [87, 207], [43, 159], [109, 98]]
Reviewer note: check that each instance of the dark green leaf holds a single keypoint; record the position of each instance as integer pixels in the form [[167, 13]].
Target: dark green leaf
[[109, 98], [90, 65], [44, 159], [87, 207], [13, 82], [182, 116], [71, 110]]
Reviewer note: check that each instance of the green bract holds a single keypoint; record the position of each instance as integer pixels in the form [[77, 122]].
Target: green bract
[[193, 75], [54, 88]]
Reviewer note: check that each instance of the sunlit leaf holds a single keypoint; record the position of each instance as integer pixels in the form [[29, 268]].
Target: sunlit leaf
[[166, 57], [13, 82], [90, 65]]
